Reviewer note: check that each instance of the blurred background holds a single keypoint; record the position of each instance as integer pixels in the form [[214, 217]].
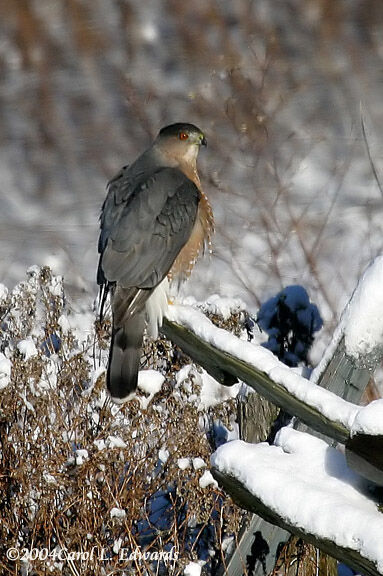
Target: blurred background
[[278, 88]]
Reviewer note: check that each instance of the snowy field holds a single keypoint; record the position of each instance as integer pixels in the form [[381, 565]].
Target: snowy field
[[278, 91]]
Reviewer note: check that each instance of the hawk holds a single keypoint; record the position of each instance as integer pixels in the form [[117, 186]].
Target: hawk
[[155, 222]]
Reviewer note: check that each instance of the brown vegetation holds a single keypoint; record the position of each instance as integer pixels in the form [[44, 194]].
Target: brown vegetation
[[57, 497]]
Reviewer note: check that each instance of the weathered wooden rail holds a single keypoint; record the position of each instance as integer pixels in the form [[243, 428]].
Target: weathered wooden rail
[[228, 369], [250, 502]]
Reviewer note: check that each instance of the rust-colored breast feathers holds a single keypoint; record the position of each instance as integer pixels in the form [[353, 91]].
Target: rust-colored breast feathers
[[199, 241]]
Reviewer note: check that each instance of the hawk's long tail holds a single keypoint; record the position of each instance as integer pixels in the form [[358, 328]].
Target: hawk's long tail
[[131, 308], [124, 357]]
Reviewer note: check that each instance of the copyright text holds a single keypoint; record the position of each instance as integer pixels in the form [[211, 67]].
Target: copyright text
[[96, 553]]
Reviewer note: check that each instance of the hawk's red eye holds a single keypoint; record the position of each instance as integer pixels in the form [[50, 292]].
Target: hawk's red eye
[[183, 136]]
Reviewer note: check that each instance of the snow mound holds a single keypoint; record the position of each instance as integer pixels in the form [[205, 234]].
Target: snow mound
[[222, 306], [118, 513], [363, 329], [5, 371], [192, 569], [214, 393], [27, 348], [150, 381], [369, 420]]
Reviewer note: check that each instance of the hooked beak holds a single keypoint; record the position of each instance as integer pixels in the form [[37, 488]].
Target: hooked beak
[[203, 140]]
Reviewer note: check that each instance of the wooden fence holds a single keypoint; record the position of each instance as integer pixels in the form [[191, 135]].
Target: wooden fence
[[341, 376]]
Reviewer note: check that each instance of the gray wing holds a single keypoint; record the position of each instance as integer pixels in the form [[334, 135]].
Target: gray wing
[[119, 190], [144, 226]]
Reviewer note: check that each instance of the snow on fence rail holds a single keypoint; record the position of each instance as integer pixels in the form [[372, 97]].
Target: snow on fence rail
[[303, 485], [356, 349], [228, 358]]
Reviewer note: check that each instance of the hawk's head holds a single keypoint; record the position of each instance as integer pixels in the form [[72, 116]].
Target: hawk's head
[[188, 134], [180, 143]]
